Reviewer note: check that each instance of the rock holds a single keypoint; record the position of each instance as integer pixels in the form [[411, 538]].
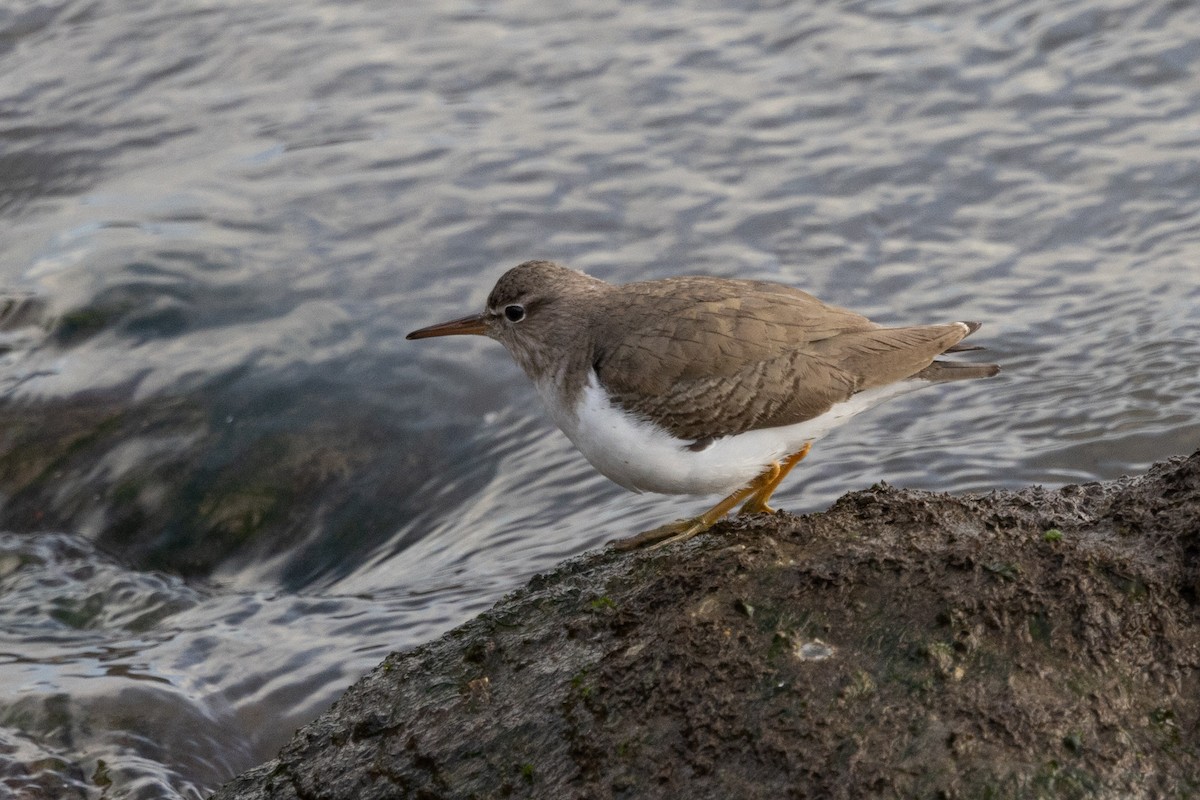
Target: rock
[[901, 644]]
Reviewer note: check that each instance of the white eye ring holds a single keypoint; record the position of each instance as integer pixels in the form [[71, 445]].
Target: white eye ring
[[514, 312]]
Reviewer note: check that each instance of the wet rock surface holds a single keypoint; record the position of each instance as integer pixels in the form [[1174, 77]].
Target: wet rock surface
[[190, 485], [1016, 644]]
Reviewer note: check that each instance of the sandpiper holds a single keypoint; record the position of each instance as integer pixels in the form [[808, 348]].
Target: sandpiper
[[701, 385]]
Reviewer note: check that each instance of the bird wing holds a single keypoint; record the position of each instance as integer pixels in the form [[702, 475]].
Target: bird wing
[[706, 357]]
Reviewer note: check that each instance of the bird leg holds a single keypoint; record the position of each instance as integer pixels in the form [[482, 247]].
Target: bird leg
[[757, 504], [683, 529]]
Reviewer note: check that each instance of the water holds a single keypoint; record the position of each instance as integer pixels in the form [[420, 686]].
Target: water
[[231, 486]]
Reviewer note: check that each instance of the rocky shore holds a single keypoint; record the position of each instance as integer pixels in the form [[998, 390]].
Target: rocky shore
[[901, 644]]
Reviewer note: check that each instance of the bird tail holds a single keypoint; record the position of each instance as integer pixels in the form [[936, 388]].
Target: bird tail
[[940, 371]]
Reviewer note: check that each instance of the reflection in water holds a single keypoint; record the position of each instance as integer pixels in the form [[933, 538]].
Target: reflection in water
[[234, 486]]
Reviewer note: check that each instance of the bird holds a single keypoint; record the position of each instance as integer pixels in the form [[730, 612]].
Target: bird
[[701, 385]]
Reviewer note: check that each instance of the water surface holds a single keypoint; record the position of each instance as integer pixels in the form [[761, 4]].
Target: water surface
[[230, 486]]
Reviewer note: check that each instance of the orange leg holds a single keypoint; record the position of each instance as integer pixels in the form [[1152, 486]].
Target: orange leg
[[684, 529], [757, 504], [758, 491]]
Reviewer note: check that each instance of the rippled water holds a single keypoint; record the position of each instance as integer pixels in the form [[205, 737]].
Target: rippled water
[[231, 486]]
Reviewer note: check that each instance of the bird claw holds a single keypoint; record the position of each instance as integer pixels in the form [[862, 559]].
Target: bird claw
[[678, 531], [755, 506]]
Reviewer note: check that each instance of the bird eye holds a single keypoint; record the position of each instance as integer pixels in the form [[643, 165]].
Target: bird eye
[[514, 313]]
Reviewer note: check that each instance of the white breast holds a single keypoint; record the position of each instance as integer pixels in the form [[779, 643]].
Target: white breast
[[643, 457]]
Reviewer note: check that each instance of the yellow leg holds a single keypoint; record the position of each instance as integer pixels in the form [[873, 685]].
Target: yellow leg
[[684, 529], [757, 504]]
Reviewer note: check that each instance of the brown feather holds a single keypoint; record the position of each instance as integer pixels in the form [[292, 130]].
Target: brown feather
[[710, 357], [707, 357]]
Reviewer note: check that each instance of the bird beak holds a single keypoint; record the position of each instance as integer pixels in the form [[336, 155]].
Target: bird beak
[[473, 324]]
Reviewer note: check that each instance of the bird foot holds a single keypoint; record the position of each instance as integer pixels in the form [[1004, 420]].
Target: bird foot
[[678, 531], [755, 506]]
